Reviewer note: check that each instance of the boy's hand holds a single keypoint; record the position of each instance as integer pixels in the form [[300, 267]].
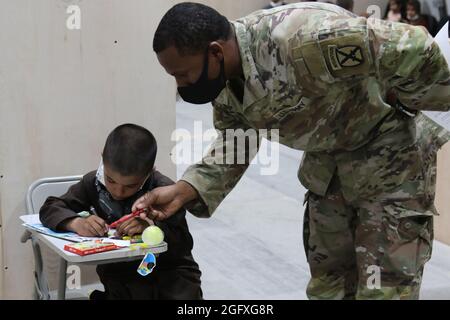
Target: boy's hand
[[131, 227], [92, 226]]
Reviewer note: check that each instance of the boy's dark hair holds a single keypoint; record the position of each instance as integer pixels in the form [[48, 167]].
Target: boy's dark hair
[[130, 150], [190, 27]]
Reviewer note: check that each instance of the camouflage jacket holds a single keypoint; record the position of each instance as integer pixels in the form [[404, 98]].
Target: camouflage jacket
[[320, 75]]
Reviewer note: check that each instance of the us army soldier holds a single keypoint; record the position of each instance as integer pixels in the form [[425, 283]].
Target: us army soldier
[[346, 90]]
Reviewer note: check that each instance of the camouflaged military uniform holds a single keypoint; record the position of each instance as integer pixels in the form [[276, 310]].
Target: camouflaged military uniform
[[321, 76]]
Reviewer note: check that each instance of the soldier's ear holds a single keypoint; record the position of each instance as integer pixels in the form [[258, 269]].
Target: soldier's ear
[[217, 50]]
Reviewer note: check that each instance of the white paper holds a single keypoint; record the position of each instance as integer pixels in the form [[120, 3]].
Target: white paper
[[443, 41], [119, 243], [32, 222], [441, 118]]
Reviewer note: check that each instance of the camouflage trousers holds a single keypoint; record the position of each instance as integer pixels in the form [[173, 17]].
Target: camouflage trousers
[[375, 242]]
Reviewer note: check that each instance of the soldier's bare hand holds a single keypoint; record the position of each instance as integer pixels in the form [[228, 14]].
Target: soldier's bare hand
[[162, 203]]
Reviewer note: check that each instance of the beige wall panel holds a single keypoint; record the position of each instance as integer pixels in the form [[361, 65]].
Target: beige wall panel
[[62, 91]]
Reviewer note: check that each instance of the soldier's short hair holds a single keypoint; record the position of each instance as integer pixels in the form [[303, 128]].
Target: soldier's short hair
[[190, 27], [130, 150]]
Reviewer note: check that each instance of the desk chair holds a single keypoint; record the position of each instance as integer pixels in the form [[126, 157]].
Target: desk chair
[[37, 193]]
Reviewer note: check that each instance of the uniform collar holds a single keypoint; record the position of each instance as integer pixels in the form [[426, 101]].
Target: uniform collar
[[254, 89]]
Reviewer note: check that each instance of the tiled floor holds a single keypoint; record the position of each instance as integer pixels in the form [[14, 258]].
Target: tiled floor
[[252, 248]]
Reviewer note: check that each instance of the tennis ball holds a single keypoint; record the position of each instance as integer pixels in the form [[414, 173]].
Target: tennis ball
[[152, 236]]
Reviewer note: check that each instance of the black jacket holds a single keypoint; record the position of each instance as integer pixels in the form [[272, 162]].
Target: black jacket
[[81, 196]]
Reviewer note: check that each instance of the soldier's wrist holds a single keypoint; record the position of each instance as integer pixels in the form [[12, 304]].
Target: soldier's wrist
[[186, 192]]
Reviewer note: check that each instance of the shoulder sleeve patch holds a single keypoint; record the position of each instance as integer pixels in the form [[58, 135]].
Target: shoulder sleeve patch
[[334, 57]]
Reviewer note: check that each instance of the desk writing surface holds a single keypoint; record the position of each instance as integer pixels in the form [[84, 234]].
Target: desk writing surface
[[124, 254]]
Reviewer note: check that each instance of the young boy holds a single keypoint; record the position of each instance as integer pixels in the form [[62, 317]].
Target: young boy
[[127, 172]]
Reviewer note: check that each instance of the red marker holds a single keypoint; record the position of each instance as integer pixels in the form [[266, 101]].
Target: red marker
[[126, 218]]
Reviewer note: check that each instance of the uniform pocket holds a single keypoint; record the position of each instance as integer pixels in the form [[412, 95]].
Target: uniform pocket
[[411, 228], [409, 234], [431, 137]]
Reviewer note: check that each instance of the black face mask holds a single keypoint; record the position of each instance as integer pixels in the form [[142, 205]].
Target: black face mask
[[204, 90]]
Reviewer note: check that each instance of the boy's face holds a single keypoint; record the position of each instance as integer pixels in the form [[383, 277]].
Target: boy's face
[[122, 187]]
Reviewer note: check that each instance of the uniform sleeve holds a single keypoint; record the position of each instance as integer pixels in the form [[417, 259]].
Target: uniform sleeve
[[58, 210], [224, 164], [413, 65], [404, 58]]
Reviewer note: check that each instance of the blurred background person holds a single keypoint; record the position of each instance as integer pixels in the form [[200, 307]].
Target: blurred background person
[[415, 17], [396, 11]]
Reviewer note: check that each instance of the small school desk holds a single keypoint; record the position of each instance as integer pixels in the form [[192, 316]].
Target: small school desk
[[114, 256]]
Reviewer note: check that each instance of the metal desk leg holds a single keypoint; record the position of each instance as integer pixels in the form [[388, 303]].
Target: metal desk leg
[[41, 291], [62, 280]]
